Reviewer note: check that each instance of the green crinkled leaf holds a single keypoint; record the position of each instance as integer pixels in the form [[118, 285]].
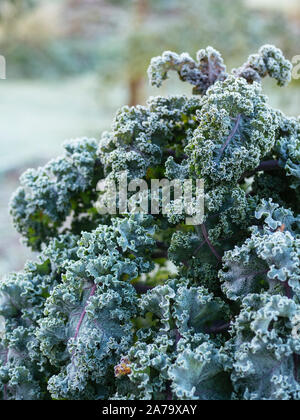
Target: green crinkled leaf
[[198, 374], [263, 349]]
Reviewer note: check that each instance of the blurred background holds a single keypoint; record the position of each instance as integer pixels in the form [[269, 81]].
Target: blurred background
[[72, 63]]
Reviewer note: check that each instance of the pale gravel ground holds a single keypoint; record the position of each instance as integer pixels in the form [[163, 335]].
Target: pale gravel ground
[[38, 116]]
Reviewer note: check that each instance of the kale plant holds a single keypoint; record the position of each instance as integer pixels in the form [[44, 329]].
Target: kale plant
[[141, 306]]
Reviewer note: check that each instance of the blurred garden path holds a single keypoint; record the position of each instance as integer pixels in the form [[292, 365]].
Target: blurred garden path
[[37, 116]]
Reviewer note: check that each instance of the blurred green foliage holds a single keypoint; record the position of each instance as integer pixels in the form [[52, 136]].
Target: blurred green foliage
[[155, 26], [118, 37], [56, 59]]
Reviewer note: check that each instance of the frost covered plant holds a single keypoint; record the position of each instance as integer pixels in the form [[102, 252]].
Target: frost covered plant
[[101, 315]]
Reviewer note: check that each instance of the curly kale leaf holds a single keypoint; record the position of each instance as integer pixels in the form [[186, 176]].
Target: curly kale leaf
[[202, 73], [86, 330], [236, 130], [87, 319], [288, 148], [262, 353], [268, 260], [198, 373], [24, 371], [268, 62], [178, 331], [142, 136], [48, 195]]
